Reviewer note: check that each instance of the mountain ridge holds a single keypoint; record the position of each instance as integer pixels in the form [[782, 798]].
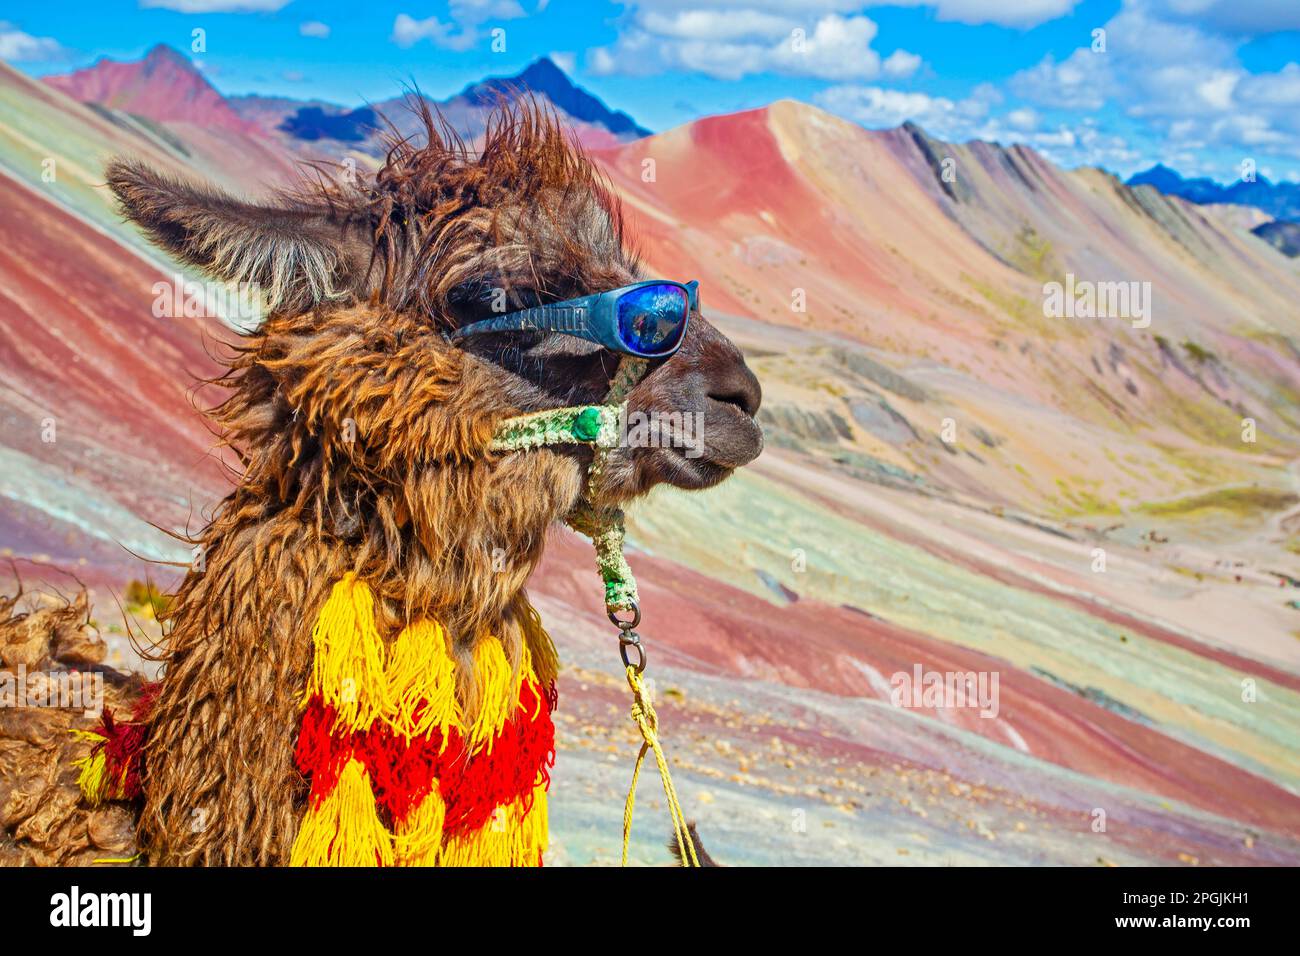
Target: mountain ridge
[[545, 77], [166, 86], [1280, 200]]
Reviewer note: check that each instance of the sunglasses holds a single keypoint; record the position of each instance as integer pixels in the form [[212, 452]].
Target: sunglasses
[[644, 319]]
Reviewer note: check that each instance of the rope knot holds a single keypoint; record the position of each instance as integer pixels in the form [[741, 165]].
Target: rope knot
[[647, 721]]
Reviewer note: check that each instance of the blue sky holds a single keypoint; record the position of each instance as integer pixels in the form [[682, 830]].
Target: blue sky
[[1202, 85]]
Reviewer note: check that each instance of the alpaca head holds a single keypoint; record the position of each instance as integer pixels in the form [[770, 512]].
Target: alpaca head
[[354, 414], [442, 236]]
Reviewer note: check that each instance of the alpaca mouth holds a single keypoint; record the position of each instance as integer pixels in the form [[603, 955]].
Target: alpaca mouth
[[734, 436], [726, 440], [672, 466]]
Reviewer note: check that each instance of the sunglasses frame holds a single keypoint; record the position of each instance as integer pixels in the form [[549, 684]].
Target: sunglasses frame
[[590, 317]]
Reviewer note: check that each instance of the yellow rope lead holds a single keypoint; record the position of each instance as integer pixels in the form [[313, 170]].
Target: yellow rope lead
[[647, 721]]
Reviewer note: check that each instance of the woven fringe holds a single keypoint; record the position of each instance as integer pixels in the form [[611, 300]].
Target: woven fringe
[[498, 693], [422, 682], [344, 828], [418, 841], [93, 770], [389, 701], [412, 685], [348, 666], [516, 835]]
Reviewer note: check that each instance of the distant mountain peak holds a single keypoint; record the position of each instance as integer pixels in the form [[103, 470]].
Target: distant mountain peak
[[1280, 200], [165, 85], [162, 52], [545, 78], [545, 70]]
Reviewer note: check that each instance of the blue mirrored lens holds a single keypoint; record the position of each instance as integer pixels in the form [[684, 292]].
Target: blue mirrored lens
[[651, 318]]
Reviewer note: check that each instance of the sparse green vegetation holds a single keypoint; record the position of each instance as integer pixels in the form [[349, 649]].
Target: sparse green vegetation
[[145, 598], [1197, 354], [1007, 305], [1243, 502], [1032, 254], [1081, 501]]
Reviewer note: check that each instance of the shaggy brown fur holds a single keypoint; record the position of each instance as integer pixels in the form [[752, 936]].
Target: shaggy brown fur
[[700, 853], [362, 437], [360, 454], [42, 820]]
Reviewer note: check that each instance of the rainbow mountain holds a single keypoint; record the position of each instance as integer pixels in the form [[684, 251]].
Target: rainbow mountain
[[1099, 508]]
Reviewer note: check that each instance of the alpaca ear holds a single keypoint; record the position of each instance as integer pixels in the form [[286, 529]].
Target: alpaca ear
[[299, 254]]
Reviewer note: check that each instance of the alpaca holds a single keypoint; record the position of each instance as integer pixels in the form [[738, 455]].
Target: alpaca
[[354, 674]]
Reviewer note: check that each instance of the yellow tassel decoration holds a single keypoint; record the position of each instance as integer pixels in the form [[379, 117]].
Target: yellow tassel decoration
[[418, 840], [498, 693], [344, 829], [512, 837], [93, 775], [348, 666], [421, 672]]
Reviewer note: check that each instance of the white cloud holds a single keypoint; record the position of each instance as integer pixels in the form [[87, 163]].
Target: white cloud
[[1081, 81], [1012, 13], [1007, 13], [1272, 89], [1179, 77], [407, 31], [877, 106], [314, 28], [900, 63], [974, 117], [1251, 17], [1023, 118], [565, 60], [733, 44], [463, 32], [19, 47], [718, 24], [1216, 91], [217, 6], [1148, 64]]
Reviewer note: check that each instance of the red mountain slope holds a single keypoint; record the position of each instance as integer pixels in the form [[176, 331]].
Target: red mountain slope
[[163, 86]]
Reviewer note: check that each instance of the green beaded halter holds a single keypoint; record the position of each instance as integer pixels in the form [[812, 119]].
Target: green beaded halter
[[599, 426]]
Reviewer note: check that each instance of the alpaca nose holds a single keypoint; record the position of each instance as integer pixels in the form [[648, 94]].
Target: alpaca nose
[[738, 386]]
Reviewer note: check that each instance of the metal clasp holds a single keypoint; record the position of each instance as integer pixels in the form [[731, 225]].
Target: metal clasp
[[629, 638]]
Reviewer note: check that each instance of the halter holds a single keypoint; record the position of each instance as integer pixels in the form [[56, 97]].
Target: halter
[[600, 426]]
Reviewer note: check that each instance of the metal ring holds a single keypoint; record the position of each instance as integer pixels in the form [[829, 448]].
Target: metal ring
[[626, 625], [640, 653]]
